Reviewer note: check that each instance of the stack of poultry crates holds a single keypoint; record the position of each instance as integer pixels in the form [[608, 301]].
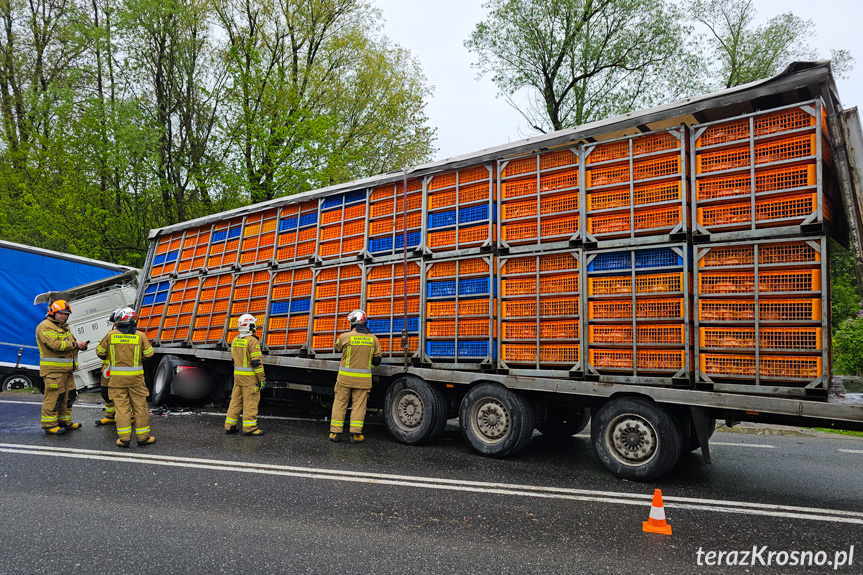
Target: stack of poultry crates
[[762, 213]]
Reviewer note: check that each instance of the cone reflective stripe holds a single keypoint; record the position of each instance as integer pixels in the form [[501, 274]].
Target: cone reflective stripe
[[656, 521]]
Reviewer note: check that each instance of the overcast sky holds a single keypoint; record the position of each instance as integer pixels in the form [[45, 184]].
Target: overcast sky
[[468, 115]]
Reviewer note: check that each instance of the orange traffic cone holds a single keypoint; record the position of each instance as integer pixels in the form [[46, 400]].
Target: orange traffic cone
[[656, 522]]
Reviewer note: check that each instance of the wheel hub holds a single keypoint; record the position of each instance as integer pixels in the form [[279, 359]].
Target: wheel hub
[[492, 419], [409, 410], [632, 439]]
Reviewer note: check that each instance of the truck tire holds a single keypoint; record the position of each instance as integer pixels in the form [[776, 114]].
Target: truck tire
[[562, 423], [162, 379], [636, 439], [414, 411], [496, 421], [17, 381]]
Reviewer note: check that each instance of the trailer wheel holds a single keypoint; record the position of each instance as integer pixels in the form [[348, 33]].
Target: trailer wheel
[[562, 423], [636, 439], [415, 412], [16, 381], [162, 380], [496, 421]]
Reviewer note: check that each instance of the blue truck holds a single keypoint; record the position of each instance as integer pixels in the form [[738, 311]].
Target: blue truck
[[32, 276]]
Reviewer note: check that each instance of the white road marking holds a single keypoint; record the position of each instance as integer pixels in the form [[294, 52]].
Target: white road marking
[[725, 444], [851, 450], [715, 505]]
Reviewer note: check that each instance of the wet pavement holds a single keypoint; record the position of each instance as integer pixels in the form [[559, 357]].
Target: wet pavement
[[200, 501]]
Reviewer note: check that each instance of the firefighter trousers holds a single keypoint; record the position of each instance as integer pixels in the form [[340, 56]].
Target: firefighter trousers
[[359, 398], [244, 401], [131, 402], [54, 404]]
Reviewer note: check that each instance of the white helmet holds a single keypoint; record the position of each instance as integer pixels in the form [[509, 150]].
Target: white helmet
[[357, 317], [246, 323], [112, 319], [124, 316]]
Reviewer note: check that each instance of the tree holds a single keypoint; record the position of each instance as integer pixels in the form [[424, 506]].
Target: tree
[[739, 51], [316, 96], [583, 60]]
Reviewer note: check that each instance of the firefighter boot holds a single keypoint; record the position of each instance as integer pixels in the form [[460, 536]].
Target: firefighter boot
[[123, 442], [357, 438], [232, 430], [335, 437], [149, 441], [72, 425], [106, 421], [57, 430], [254, 433]]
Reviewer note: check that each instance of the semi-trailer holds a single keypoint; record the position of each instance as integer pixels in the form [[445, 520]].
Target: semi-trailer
[[651, 273]]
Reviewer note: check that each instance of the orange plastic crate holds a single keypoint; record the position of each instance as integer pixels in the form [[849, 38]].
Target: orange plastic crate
[[475, 193], [475, 174], [331, 216], [617, 359], [346, 305], [789, 281], [726, 310], [519, 209], [656, 193], [726, 282], [728, 256], [348, 246], [466, 328], [380, 272], [559, 329], [444, 309], [325, 324], [786, 178], [379, 290], [566, 202], [559, 181], [787, 253], [564, 226], [519, 330], [557, 262], [557, 159], [520, 232], [793, 367], [466, 236], [737, 337], [610, 199], [791, 338], [609, 175], [650, 219], [548, 354], [519, 266], [610, 310], [442, 269], [466, 307], [654, 283], [355, 211], [473, 266], [724, 187], [656, 168], [441, 181], [520, 166], [659, 309], [556, 306], [609, 334], [660, 334], [796, 147], [382, 208], [609, 285], [724, 132], [414, 221], [660, 359], [378, 227], [779, 209], [382, 192], [518, 286], [607, 152], [325, 342], [651, 143], [520, 187]]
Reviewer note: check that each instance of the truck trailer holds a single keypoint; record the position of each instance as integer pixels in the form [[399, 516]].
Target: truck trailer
[[651, 273], [30, 276]]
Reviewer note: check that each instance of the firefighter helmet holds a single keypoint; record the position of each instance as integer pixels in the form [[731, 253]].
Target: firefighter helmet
[[60, 305], [357, 317], [125, 316], [246, 323]]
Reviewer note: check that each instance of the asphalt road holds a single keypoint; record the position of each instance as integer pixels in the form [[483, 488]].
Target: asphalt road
[[199, 501]]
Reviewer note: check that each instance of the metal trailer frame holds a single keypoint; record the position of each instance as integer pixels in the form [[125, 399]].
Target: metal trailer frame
[[487, 363], [575, 370], [488, 245], [313, 307], [813, 224], [814, 388], [681, 378], [393, 356]]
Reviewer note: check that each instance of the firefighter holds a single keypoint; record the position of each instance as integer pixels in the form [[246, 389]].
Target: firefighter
[[58, 354], [360, 350], [103, 383], [125, 347], [248, 379]]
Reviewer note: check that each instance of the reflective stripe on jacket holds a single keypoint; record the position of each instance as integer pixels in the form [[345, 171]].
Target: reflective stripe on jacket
[[57, 350], [124, 354], [248, 360], [358, 349]]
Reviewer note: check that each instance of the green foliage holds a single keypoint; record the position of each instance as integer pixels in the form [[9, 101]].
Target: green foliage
[[845, 297], [119, 117], [738, 51], [583, 60], [848, 347]]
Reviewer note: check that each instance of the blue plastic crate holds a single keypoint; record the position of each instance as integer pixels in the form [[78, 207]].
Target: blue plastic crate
[[442, 288], [358, 196], [442, 219], [298, 305], [220, 236], [151, 288], [610, 262], [473, 214], [148, 299], [657, 258], [308, 219], [279, 307], [380, 244], [172, 256], [399, 324], [379, 325], [474, 286], [466, 349], [234, 233], [159, 259], [333, 201], [161, 297], [413, 240], [288, 224]]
